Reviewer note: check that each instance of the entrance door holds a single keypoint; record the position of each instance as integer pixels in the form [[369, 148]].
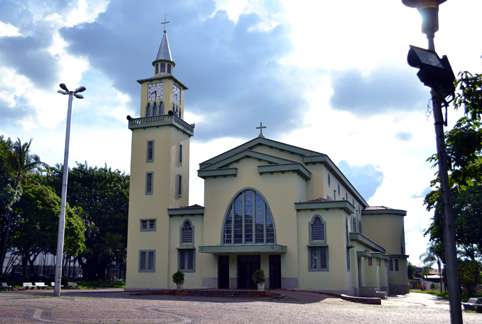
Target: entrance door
[[223, 272], [247, 265], [274, 272]]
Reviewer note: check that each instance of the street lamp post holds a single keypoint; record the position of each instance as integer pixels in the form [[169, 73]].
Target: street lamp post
[[429, 12], [65, 175]]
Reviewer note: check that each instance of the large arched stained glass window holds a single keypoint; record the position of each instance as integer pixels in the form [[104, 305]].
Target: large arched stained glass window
[[248, 220]]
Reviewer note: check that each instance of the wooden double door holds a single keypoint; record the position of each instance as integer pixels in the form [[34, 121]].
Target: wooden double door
[[246, 266]]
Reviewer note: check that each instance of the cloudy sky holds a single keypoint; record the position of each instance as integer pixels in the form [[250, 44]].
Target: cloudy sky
[[330, 76]]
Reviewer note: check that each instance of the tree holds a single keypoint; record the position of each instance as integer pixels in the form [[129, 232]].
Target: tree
[[432, 256], [102, 193], [464, 145], [16, 163], [37, 212], [469, 273], [411, 270]]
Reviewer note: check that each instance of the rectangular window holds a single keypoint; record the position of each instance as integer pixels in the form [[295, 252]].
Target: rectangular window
[[395, 264], [186, 260], [238, 221], [228, 228], [180, 154], [148, 225], [348, 265], [318, 258], [260, 214], [147, 261], [178, 186], [391, 265], [150, 151], [248, 216], [370, 261], [163, 67], [329, 180], [149, 180]]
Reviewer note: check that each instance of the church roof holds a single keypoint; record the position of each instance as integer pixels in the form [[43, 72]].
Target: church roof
[[161, 77], [192, 210], [378, 210], [262, 141], [164, 52], [307, 156]]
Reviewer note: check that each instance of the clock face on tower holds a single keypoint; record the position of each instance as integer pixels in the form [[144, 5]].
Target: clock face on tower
[[155, 91], [176, 94]]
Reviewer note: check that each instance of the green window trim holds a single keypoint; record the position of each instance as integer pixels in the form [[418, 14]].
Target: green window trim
[[186, 260], [149, 188], [314, 222], [147, 261], [318, 258], [147, 225]]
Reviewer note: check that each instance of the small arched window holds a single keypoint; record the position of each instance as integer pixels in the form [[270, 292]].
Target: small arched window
[[317, 229], [187, 233]]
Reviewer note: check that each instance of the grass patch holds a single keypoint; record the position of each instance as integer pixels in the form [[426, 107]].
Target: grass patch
[[101, 284], [445, 295]]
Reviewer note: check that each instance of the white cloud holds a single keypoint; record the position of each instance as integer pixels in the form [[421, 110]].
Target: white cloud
[[84, 11], [8, 30]]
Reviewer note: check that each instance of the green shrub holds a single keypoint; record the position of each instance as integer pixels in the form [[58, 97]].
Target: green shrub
[[258, 276], [178, 278]]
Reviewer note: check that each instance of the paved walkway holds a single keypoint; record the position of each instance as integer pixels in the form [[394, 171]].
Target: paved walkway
[[110, 306]]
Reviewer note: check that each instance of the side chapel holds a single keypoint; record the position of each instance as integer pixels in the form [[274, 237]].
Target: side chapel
[[267, 205]]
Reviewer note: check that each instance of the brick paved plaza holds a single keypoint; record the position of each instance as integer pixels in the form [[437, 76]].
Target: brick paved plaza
[[120, 307]]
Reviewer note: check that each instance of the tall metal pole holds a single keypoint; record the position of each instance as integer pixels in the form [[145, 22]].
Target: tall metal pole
[[448, 220], [65, 177]]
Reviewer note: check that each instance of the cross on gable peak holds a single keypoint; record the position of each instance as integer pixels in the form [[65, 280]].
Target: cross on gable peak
[[261, 127]]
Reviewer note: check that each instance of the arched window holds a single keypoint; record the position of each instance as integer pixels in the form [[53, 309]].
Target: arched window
[[317, 229], [248, 220], [161, 108], [187, 235], [148, 110]]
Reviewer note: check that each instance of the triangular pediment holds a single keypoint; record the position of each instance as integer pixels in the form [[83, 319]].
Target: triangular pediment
[[269, 159], [260, 141]]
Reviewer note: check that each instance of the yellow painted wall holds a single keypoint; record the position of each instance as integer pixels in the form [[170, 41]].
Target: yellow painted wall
[[165, 168], [280, 190], [191, 279], [338, 278], [399, 277], [387, 230]]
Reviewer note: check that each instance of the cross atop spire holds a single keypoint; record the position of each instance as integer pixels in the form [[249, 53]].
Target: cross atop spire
[[164, 52], [164, 22], [260, 127]]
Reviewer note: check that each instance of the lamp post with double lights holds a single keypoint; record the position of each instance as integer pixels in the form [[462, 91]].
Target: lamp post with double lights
[[437, 74], [65, 175]]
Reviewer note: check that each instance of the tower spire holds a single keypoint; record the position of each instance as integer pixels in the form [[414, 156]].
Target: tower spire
[[163, 61]]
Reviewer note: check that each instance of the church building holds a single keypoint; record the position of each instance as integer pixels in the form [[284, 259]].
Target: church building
[[267, 205]]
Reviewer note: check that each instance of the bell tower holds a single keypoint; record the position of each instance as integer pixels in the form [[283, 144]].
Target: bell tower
[[159, 177]]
